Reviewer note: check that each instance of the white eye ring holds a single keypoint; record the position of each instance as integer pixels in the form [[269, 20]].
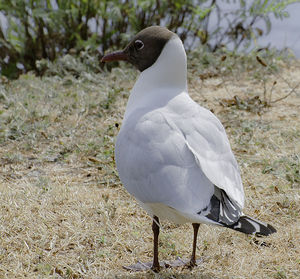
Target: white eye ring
[[139, 44]]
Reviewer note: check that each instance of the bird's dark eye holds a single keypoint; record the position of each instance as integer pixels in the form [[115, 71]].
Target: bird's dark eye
[[138, 44]]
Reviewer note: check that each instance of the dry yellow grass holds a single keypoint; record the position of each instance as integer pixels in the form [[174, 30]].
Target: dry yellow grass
[[64, 213]]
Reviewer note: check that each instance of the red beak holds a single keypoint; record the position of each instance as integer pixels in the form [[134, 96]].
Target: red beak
[[115, 56]]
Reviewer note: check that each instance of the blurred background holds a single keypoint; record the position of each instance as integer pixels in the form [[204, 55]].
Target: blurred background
[[35, 30]]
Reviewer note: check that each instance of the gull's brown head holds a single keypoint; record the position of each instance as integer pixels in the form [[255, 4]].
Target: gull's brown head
[[144, 49]]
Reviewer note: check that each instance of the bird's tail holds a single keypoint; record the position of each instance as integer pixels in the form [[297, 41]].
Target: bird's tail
[[249, 225]]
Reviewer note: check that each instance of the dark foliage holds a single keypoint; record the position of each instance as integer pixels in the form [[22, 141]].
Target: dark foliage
[[38, 29]]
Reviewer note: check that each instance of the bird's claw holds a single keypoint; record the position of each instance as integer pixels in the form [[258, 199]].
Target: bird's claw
[[139, 266]]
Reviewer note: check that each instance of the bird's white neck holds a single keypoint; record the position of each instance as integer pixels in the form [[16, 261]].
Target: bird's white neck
[[161, 82]]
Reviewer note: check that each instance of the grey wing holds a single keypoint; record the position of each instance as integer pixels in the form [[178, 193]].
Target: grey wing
[[206, 138]]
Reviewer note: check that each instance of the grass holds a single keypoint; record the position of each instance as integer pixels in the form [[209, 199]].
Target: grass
[[64, 212]]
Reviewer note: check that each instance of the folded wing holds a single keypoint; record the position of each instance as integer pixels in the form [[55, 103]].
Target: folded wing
[[206, 138]]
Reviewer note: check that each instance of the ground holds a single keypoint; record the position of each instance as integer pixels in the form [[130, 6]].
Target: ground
[[65, 214]]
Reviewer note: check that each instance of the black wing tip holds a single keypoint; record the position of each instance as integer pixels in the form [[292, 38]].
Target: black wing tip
[[265, 230], [249, 225], [271, 228]]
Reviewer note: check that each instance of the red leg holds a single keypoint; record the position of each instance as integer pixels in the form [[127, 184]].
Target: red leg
[[155, 228], [193, 258]]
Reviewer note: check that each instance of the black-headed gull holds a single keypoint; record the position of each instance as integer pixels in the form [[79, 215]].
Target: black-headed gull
[[173, 155]]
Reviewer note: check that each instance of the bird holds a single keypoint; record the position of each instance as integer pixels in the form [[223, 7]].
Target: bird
[[172, 154]]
